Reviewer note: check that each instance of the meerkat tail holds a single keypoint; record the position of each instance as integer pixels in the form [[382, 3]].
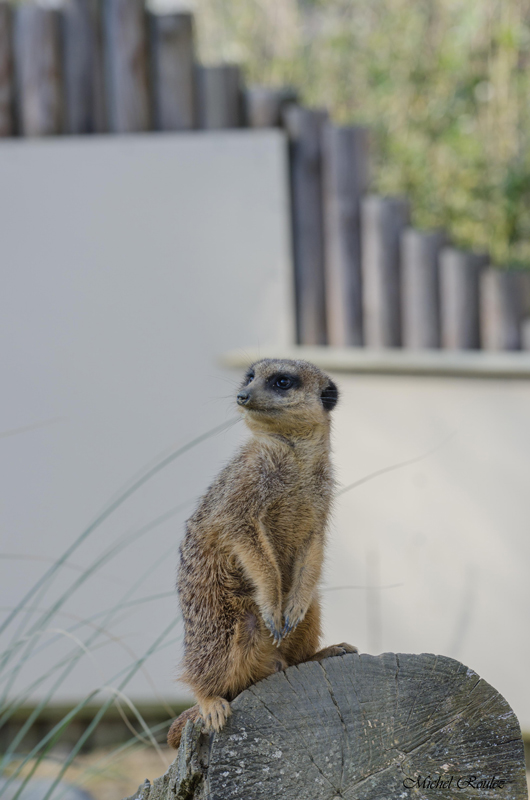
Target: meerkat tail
[[175, 732]]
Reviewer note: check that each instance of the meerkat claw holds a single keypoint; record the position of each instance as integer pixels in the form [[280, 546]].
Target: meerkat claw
[[290, 626], [274, 632]]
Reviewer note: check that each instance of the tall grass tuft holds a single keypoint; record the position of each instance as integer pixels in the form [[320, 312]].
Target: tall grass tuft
[[33, 627]]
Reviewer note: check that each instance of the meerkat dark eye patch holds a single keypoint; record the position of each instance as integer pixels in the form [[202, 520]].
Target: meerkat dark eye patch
[[329, 396], [282, 382], [249, 377]]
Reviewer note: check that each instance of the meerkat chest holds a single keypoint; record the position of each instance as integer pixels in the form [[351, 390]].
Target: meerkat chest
[[300, 510]]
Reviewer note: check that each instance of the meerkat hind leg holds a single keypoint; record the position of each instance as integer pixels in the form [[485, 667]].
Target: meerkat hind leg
[[175, 732], [334, 650]]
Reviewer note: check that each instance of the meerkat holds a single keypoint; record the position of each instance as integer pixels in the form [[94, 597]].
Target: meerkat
[[251, 559]]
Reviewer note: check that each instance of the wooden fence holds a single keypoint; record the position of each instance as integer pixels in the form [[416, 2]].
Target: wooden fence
[[363, 276]]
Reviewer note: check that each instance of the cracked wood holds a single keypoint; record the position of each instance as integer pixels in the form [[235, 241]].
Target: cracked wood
[[359, 727]]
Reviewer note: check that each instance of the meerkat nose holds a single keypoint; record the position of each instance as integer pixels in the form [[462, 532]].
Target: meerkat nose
[[243, 398]]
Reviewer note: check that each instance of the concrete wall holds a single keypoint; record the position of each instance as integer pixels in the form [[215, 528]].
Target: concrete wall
[[128, 266], [445, 538]]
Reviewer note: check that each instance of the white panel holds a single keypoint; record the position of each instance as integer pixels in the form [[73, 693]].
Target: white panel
[[128, 266], [444, 538]]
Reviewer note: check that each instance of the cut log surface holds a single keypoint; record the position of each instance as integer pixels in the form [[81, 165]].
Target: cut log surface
[[356, 726]]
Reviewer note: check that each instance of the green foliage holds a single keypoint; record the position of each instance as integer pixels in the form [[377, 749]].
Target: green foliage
[[444, 85]]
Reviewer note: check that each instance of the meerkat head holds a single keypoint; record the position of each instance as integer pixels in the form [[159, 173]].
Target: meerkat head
[[286, 397]]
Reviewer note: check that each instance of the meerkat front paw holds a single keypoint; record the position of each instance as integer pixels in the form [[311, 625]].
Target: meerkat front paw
[[293, 615], [215, 711], [273, 623]]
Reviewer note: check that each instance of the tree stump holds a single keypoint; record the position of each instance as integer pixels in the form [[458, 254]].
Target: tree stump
[[360, 727]]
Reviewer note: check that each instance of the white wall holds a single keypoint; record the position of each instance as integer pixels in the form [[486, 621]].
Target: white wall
[[448, 536], [128, 266]]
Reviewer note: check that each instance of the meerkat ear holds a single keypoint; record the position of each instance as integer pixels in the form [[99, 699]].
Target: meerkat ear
[[329, 396]]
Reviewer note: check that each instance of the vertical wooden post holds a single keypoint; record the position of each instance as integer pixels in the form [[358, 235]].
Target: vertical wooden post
[[459, 298], [420, 287], [127, 66], [501, 309], [219, 97], [264, 106], [525, 291], [345, 174], [525, 333], [382, 222], [39, 91], [83, 67], [305, 129], [7, 122], [173, 71]]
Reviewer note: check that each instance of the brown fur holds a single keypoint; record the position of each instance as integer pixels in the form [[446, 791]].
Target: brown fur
[[251, 559]]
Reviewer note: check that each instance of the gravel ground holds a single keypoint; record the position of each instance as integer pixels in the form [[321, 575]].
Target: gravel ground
[[110, 776]]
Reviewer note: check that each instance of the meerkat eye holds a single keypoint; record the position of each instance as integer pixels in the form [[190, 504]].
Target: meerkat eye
[[250, 377], [283, 382]]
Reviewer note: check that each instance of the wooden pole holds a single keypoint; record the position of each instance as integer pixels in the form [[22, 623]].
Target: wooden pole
[[525, 333], [128, 100], [525, 291], [356, 726], [219, 97], [420, 287], [305, 130], [39, 90], [264, 106], [501, 309], [173, 71], [7, 121], [83, 67], [525, 303], [382, 222], [345, 172], [459, 298]]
